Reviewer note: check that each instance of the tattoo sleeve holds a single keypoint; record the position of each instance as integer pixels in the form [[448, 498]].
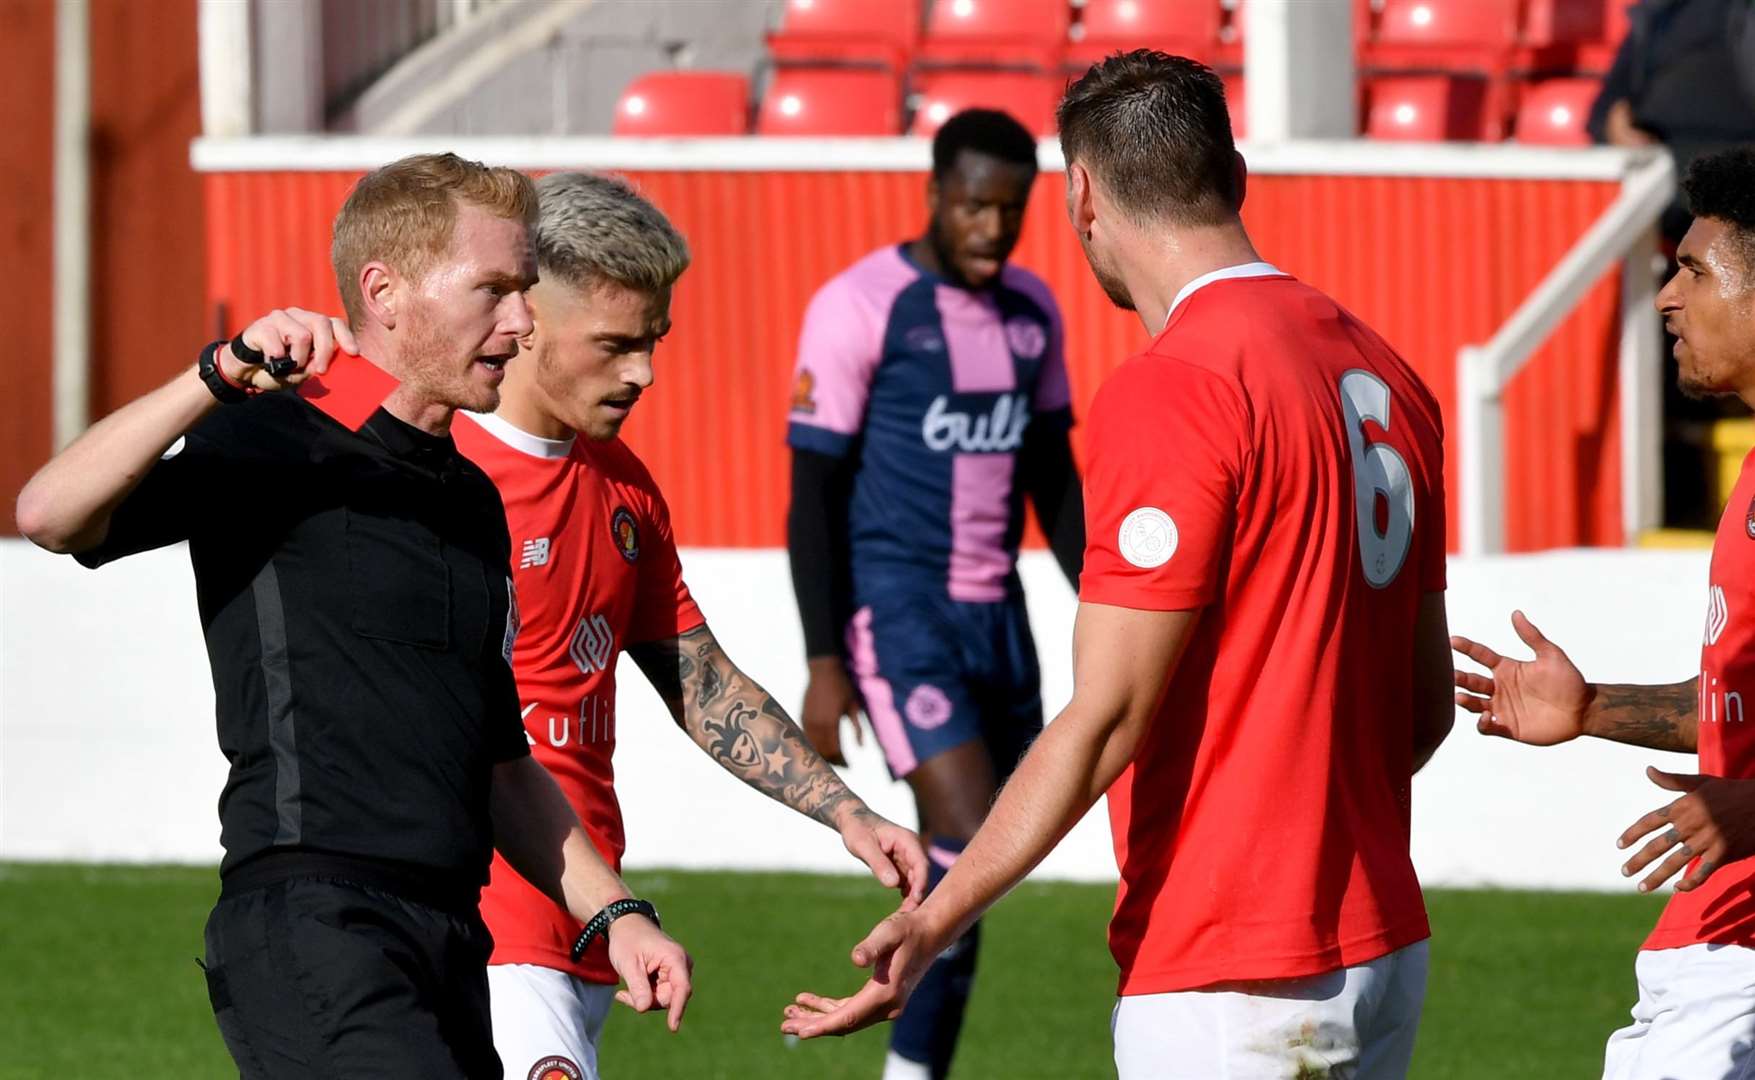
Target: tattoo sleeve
[[741, 727], [1655, 717]]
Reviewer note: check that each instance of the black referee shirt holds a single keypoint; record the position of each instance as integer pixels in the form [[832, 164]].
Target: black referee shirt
[[359, 620]]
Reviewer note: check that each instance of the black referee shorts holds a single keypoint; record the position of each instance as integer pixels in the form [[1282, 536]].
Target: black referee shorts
[[315, 977]]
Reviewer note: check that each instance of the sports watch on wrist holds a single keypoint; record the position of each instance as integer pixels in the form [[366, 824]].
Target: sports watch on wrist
[[223, 389], [599, 924]]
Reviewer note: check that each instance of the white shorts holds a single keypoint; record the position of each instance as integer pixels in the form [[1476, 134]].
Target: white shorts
[[1354, 1023], [1695, 1018], [547, 1024]]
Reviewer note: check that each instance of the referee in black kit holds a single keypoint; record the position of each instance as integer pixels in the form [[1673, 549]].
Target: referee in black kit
[[350, 570]]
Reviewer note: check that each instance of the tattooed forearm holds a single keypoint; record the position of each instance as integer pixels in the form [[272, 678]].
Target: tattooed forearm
[[742, 728], [1656, 717]]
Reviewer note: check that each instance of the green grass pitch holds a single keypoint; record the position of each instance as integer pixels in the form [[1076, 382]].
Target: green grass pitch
[[101, 977]]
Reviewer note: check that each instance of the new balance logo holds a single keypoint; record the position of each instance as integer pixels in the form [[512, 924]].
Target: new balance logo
[[1718, 614], [593, 644], [535, 553]]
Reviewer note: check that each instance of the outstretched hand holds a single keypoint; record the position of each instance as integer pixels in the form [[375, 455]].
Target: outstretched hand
[[1540, 702], [893, 853], [1714, 820], [898, 950], [655, 968]]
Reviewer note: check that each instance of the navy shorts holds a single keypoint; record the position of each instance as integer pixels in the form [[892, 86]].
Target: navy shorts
[[937, 673]]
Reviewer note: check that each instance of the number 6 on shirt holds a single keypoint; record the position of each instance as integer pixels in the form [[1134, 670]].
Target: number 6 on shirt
[[1377, 469]]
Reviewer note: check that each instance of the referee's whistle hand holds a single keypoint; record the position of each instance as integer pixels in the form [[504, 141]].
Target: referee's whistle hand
[[307, 338], [654, 967]]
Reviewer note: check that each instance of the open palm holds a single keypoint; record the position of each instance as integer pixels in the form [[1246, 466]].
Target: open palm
[[1540, 702]]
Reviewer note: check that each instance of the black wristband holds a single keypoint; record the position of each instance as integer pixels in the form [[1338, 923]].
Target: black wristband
[[225, 391], [599, 924], [280, 367]]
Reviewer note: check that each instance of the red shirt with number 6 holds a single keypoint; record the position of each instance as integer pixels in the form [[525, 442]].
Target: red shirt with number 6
[[1271, 462]]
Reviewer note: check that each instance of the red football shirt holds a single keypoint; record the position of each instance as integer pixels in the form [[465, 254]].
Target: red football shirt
[[1269, 461], [595, 569], [1722, 911]]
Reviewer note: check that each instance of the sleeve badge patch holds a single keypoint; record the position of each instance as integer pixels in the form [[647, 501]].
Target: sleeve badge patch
[[804, 393]]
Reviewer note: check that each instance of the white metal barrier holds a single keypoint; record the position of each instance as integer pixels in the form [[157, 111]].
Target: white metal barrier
[[1626, 231]]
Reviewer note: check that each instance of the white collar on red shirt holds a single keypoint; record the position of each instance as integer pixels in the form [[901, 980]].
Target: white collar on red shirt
[[1242, 270], [519, 439]]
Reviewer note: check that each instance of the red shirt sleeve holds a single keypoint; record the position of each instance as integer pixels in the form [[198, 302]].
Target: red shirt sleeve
[[664, 607], [1166, 444], [1434, 522]]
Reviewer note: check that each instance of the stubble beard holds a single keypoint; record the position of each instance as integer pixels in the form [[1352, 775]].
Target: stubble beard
[[1113, 287], [434, 371]]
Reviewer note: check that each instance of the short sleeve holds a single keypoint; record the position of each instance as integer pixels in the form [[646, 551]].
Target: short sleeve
[[1166, 444], [838, 352], [664, 608], [177, 497]]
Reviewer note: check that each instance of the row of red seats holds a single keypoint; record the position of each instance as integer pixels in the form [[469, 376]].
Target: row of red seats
[[803, 101], [1466, 35]]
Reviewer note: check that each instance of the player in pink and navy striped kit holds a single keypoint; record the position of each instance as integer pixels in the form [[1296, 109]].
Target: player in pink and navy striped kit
[[931, 398]]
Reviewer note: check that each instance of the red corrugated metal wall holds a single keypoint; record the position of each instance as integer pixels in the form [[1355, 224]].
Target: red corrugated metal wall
[[147, 286], [27, 73], [1433, 264]]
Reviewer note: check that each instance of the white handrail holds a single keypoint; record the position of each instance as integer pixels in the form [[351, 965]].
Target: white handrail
[[71, 380], [1623, 232]]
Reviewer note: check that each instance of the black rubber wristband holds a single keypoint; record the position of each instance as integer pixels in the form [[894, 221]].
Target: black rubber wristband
[[226, 392], [599, 924], [279, 367]]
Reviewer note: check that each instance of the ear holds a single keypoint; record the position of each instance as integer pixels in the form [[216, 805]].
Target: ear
[[1081, 204], [1239, 178], [381, 292], [932, 196], [534, 300]]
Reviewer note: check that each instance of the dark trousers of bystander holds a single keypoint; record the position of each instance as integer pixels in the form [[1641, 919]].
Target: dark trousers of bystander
[[316, 977]]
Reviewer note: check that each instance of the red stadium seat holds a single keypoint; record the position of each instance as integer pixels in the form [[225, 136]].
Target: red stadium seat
[[1598, 56], [685, 103], [847, 31], [1560, 22], [806, 101], [1489, 23], [1031, 99], [1184, 27], [987, 33], [1553, 112], [1425, 108]]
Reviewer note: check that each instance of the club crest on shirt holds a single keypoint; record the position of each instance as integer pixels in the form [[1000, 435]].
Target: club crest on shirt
[[626, 532], [1026, 337], [556, 1068], [1749, 521], [804, 393]]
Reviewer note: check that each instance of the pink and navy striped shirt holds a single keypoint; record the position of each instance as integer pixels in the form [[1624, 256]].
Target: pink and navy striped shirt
[[930, 388]]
